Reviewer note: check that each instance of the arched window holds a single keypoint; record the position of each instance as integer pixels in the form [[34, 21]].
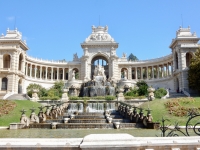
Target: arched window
[[188, 59], [6, 61], [4, 84]]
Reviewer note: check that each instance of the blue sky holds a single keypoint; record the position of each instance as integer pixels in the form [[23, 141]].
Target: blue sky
[[54, 29]]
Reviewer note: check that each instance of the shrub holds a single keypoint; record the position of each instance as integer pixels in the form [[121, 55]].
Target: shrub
[[110, 97], [160, 93], [142, 88], [74, 98], [98, 97], [52, 93], [58, 85], [45, 98], [85, 98], [32, 87], [132, 92], [55, 98], [134, 97]]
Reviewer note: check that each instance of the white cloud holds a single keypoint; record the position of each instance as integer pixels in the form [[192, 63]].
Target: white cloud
[[11, 18]]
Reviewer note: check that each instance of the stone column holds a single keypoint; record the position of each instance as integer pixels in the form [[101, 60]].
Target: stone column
[[172, 68], [147, 73], [167, 70], [40, 72], [46, 73], [129, 73], [158, 72], [51, 73], [26, 69], [136, 77], [162, 71], [30, 70], [141, 73], [35, 71], [23, 66], [86, 70], [152, 70], [63, 73], [57, 73]]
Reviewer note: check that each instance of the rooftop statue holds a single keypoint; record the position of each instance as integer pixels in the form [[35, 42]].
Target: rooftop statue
[[99, 34]]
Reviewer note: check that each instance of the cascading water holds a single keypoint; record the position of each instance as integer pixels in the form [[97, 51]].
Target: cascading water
[[99, 107], [74, 107]]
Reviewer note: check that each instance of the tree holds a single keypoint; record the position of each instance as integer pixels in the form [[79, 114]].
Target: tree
[[132, 57], [32, 87], [142, 88], [194, 72], [58, 86]]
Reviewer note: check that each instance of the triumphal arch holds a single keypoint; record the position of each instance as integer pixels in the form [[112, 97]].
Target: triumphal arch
[[18, 70]]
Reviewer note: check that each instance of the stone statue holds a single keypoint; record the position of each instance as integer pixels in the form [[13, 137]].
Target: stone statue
[[99, 71], [125, 74], [33, 117], [41, 115], [24, 119], [124, 55], [73, 74], [75, 57]]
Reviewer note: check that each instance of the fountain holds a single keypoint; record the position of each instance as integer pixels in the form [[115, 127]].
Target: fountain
[[99, 86]]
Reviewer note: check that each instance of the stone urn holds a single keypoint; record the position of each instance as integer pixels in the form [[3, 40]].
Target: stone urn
[[109, 119], [117, 125], [107, 115], [53, 125], [72, 116], [66, 120], [151, 93], [35, 95]]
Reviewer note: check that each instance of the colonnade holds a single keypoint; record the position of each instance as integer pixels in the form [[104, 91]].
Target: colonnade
[[149, 72], [45, 72]]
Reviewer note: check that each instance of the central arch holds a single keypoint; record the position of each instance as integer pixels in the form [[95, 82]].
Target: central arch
[[100, 60]]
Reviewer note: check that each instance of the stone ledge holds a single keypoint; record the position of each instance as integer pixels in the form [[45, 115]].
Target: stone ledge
[[103, 141]]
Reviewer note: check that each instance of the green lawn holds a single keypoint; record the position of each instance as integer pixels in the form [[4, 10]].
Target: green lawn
[[15, 114], [158, 110]]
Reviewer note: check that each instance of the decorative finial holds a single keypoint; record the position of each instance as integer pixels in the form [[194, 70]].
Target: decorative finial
[[7, 29]]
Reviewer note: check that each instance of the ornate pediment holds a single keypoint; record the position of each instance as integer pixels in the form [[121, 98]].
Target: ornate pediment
[[99, 34]]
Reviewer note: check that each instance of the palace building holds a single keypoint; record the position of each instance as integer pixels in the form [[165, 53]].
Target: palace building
[[18, 70]]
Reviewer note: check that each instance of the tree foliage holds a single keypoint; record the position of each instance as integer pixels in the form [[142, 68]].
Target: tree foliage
[[57, 88], [194, 72], [142, 88], [54, 91], [132, 57]]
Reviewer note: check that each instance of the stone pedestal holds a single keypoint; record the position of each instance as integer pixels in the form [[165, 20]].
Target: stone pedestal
[[53, 125], [151, 93], [65, 97], [117, 125]]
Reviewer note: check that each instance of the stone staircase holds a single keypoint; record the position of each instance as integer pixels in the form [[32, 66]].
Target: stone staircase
[[176, 95], [17, 97]]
